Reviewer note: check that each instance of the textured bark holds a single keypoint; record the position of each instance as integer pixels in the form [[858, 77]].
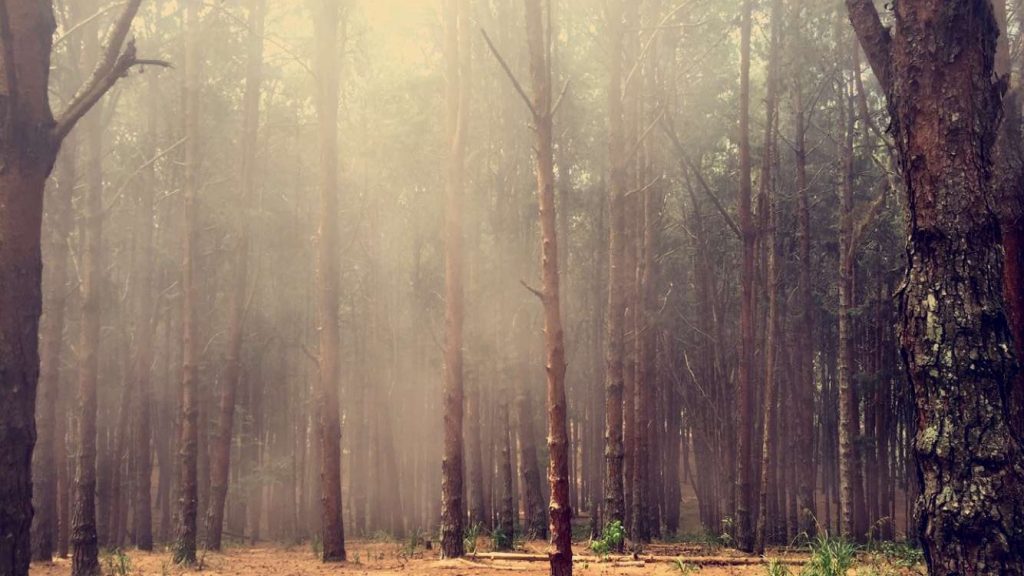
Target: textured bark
[[615, 316], [849, 423], [954, 333], [452, 463], [29, 141], [184, 551], [221, 449], [559, 511], [1009, 195], [328, 420], [744, 385]]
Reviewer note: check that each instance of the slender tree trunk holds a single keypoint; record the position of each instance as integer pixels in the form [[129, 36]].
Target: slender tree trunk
[[221, 449], [188, 440], [773, 322], [452, 464], [532, 496], [804, 384], [745, 386], [559, 512], [615, 320], [48, 460], [84, 537], [142, 368], [506, 515], [328, 421], [954, 333]]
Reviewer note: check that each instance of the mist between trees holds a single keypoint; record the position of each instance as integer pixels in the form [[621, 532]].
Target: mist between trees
[[730, 271]]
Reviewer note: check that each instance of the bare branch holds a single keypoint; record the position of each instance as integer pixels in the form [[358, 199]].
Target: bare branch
[[535, 292], [124, 185], [648, 44], [867, 219], [511, 76], [700, 178], [643, 136], [874, 38], [558, 101], [67, 33], [114, 65]]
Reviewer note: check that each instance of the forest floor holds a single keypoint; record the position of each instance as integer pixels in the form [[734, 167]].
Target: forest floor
[[373, 558]]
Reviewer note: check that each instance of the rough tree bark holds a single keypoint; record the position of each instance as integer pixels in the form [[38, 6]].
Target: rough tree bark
[[30, 138], [328, 420], [452, 463], [559, 512], [936, 68]]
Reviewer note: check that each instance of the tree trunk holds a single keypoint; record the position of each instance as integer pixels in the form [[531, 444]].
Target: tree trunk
[[188, 439], [744, 385], [452, 464], [532, 496], [84, 537], [773, 322], [954, 334], [328, 422], [614, 384], [559, 512], [48, 461], [221, 450]]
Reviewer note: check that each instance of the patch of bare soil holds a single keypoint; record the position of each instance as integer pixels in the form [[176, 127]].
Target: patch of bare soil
[[396, 558]]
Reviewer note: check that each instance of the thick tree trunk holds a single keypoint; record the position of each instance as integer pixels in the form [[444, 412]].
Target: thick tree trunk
[[506, 514], [328, 421], [937, 72], [532, 495], [452, 463]]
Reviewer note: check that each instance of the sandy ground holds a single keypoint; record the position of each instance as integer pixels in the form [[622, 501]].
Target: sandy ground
[[381, 559]]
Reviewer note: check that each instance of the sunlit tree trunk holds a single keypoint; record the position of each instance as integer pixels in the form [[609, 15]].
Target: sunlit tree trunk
[[954, 333], [328, 421], [559, 512], [452, 464]]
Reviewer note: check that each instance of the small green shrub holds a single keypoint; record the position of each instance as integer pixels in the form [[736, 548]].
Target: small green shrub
[[830, 556], [469, 536], [501, 539], [611, 539]]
